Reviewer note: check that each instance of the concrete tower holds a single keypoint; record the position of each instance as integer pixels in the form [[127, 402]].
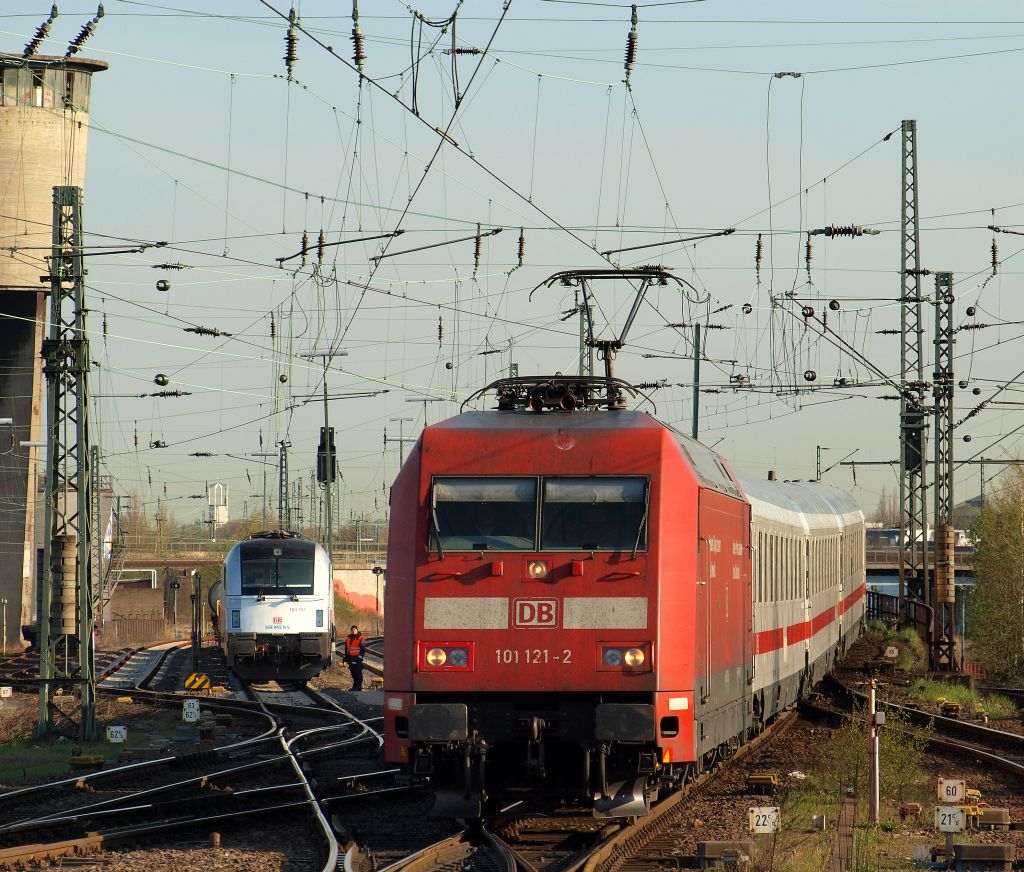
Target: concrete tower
[[44, 113]]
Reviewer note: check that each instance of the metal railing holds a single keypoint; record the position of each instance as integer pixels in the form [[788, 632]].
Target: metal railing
[[891, 610], [889, 555]]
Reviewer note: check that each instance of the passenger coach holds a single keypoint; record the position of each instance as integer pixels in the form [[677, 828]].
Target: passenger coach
[[588, 600]]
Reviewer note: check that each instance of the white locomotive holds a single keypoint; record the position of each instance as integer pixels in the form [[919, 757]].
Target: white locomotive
[[273, 609]]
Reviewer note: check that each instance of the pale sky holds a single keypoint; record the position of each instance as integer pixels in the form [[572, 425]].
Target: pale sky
[[198, 140]]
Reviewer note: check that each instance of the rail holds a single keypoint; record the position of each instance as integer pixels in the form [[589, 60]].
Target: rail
[[160, 799], [640, 831], [947, 727]]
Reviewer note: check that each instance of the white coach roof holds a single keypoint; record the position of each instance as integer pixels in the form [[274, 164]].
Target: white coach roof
[[807, 504]]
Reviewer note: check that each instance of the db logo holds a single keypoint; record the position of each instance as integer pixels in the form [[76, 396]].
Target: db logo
[[535, 613], [278, 620]]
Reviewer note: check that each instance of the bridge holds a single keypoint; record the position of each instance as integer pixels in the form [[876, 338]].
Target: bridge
[[885, 560]]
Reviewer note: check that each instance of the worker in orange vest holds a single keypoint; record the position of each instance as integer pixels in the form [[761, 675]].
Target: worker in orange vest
[[354, 656]]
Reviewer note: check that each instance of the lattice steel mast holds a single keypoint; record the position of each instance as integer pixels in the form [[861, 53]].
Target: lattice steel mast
[[942, 391], [284, 508], [66, 595], [913, 569]]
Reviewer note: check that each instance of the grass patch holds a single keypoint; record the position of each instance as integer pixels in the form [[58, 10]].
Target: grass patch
[[971, 701], [26, 760], [913, 654], [839, 764], [798, 848]]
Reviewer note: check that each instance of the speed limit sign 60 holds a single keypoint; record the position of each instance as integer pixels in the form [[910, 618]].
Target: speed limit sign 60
[[951, 790]]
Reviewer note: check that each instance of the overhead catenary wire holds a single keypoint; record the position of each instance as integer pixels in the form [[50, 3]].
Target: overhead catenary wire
[[397, 282]]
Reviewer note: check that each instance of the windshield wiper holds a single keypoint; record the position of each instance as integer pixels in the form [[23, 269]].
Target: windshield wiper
[[435, 528], [643, 518]]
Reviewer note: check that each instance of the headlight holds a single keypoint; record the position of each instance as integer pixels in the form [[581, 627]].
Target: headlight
[[536, 569], [445, 656], [634, 657], [236, 619], [319, 617], [626, 657], [612, 657]]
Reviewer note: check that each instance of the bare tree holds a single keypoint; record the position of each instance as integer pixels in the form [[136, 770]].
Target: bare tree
[[887, 512]]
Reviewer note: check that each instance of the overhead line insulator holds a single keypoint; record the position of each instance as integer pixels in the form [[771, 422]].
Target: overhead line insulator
[[41, 33], [631, 41], [758, 257], [90, 27], [358, 49], [206, 331], [291, 45], [852, 230]]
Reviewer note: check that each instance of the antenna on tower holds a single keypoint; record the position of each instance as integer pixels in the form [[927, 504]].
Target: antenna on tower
[[87, 30]]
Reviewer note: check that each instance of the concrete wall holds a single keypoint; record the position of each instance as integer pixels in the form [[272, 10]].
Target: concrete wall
[[143, 602], [19, 400], [43, 143], [40, 146], [361, 588]]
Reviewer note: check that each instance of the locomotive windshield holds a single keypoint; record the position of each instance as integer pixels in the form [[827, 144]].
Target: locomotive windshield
[[595, 514], [480, 514], [599, 513], [277, 575]]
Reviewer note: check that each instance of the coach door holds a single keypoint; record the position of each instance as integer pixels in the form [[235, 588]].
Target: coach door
[[724, 598]]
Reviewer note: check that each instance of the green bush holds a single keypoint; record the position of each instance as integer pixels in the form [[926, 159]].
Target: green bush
[[913, 654]]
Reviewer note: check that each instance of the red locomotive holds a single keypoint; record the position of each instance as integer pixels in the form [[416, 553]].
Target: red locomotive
[[585, 598]]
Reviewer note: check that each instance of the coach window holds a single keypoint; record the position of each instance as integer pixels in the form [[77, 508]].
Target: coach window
[[776, 568], [790, 569], [783, 568], [606, 513], [484, 514]]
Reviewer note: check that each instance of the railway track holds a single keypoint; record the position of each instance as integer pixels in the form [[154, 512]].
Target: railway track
[[1000, 748], [306, 761], [573, 841], [21, 671], [229, 783]]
